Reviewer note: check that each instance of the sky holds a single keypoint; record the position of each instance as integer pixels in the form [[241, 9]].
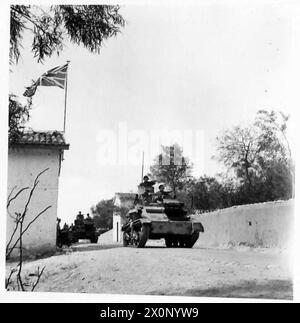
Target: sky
[[193, 69]]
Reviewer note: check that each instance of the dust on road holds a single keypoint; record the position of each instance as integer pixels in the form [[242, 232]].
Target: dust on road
[[156, 270]]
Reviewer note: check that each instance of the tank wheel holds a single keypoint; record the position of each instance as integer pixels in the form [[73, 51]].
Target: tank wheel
[[192, 240], [182, 243], [169, 242], [175, 243], [94, 239]]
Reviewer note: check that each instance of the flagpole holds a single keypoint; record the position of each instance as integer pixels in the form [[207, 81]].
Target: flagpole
[[66, 87]]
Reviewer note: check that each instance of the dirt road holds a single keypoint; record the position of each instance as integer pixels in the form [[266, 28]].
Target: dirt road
[[156, 270]]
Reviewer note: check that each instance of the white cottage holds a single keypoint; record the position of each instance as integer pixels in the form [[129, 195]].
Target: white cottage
[[33, 153]]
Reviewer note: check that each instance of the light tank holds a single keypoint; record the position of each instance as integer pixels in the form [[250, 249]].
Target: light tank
[[84, 229], [166, 219]]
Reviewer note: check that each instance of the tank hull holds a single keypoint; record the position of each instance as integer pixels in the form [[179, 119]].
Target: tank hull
[[159, 222], [165, 228]]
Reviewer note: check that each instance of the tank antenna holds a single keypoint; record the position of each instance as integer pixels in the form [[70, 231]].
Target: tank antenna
[[142, 167]]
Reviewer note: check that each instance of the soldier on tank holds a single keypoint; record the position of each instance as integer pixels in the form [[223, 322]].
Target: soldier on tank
[[79, 218], [88, 218], [147, 183], [136, 200], [147, 187], [89, 222], [162, 194]]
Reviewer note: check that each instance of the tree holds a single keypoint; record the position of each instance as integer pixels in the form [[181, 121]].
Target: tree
[[87, 25], [260, 157], [122, 211], [239, 149], [18, 115], [278, 183], [103, 213], [206, 194], [274, 127], [171, 167]]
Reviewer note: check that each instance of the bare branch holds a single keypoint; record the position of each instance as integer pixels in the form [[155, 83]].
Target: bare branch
[[11, 238], [39, 275], [19, 227], [13, 198], [20, 265], [26, 228], [10, 194], [8, 280], [20, 219], [36, 182]]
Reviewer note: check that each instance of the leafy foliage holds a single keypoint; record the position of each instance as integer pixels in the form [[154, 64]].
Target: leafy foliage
[[18, 115], [87, 25], [103, 213], [17, 26], [206, 194], [274, 126], [81, 24], [260, 157], [172, 169], [239, 149]]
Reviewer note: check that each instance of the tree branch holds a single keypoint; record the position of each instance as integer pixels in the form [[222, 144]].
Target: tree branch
[[13, 198], [39, 275], [8, 280], [26, 228]]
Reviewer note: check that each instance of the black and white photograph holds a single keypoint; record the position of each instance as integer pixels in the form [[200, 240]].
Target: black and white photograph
[[149, 149]]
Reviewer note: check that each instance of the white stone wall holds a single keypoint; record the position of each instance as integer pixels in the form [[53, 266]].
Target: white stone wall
[[259, 225], [23, 166]]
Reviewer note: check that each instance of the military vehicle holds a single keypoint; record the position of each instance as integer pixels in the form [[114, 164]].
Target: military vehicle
[[84, 229], [167, 219]]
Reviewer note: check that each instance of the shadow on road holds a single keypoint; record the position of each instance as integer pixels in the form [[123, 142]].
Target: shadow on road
[[272, 289], [92, 247]]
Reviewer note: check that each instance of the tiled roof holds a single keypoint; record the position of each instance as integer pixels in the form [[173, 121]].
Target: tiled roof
[[42, 138]]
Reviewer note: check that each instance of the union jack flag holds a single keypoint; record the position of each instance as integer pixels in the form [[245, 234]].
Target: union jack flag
[[57, 76]]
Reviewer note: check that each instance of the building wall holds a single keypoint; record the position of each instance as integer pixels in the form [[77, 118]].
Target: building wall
[[24, 164], [117, 219], [260, 225], [127, 203]]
